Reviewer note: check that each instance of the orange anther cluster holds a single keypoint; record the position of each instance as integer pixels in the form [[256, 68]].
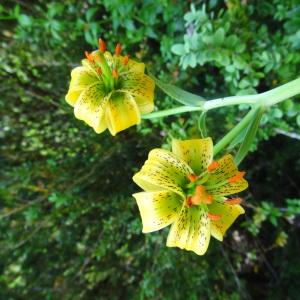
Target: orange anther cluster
[[118, 49], [89, 56], [233, 201], [214, 217], [102, 45], [212, 166], [126, 60], [115, 73], [236, 177], [192, 177]]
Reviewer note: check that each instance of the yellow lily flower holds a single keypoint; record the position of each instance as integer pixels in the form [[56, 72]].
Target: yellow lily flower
[[110, 91], [187, 189]]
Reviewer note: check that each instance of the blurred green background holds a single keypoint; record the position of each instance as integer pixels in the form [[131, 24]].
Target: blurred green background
[[69, 228]]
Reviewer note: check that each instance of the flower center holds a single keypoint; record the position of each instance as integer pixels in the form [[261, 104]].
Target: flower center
[[108, 70]]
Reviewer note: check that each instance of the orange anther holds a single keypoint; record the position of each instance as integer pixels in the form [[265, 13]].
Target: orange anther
[[115, 73], [209, 199], [89, 56], [102, 45], [233, 201], [212, 166], [192, 177], [237, 177], [126, 60], [189, 201], [99, 71], [118, 49], [214, 217]]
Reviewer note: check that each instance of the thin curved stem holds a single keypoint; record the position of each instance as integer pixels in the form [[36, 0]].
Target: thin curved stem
[[235, 131], [171, 111]]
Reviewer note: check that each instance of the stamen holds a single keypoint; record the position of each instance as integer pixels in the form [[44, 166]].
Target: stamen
[[214, 217], [89, 56], [126, 60], [192, 177], [212, 166], [115, 73], [99, 71], [102, 46], [189, 202], [118, 49], [233, 201], [236, 177], [209, 199]]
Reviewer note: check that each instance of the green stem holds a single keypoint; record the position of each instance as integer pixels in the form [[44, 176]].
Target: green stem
[[172, 111], [268, 98], [235, 131]]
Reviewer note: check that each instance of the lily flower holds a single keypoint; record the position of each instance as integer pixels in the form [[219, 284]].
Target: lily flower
[[189, 190], [110, 90]]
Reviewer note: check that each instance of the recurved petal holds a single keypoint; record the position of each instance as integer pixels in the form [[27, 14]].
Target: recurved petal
[[172, 165], [228, 213], [227, 188], [144, 105], [191, 231], [81, 78], [226, 169], [90, 107], [122, 112], [140, 86], [197, 153], [163, 171], [158, 209]]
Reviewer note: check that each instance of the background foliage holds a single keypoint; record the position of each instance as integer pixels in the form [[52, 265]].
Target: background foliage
[[69, 228]]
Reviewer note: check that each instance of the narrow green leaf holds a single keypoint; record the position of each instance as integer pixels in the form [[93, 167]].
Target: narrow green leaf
[[202, 125], [178, 94], [250, 135]]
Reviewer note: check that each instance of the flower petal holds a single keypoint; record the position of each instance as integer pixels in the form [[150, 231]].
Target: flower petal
[[90, 107], [228, 213], [141, 87], [196, 153], [218, 185], [122, 112], [226, 169], [81, 78], [158, 209], [228, 188], [191, 231], [163, 171]]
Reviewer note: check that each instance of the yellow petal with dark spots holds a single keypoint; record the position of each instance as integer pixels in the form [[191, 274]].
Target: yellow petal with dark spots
[[228, 188], [141, 86], [226, 169], [191, 231], [197, 153], [144, 105], [121, 113], [228, 213], [90, 107], [172, 165], [81, 78], [158, 209]]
